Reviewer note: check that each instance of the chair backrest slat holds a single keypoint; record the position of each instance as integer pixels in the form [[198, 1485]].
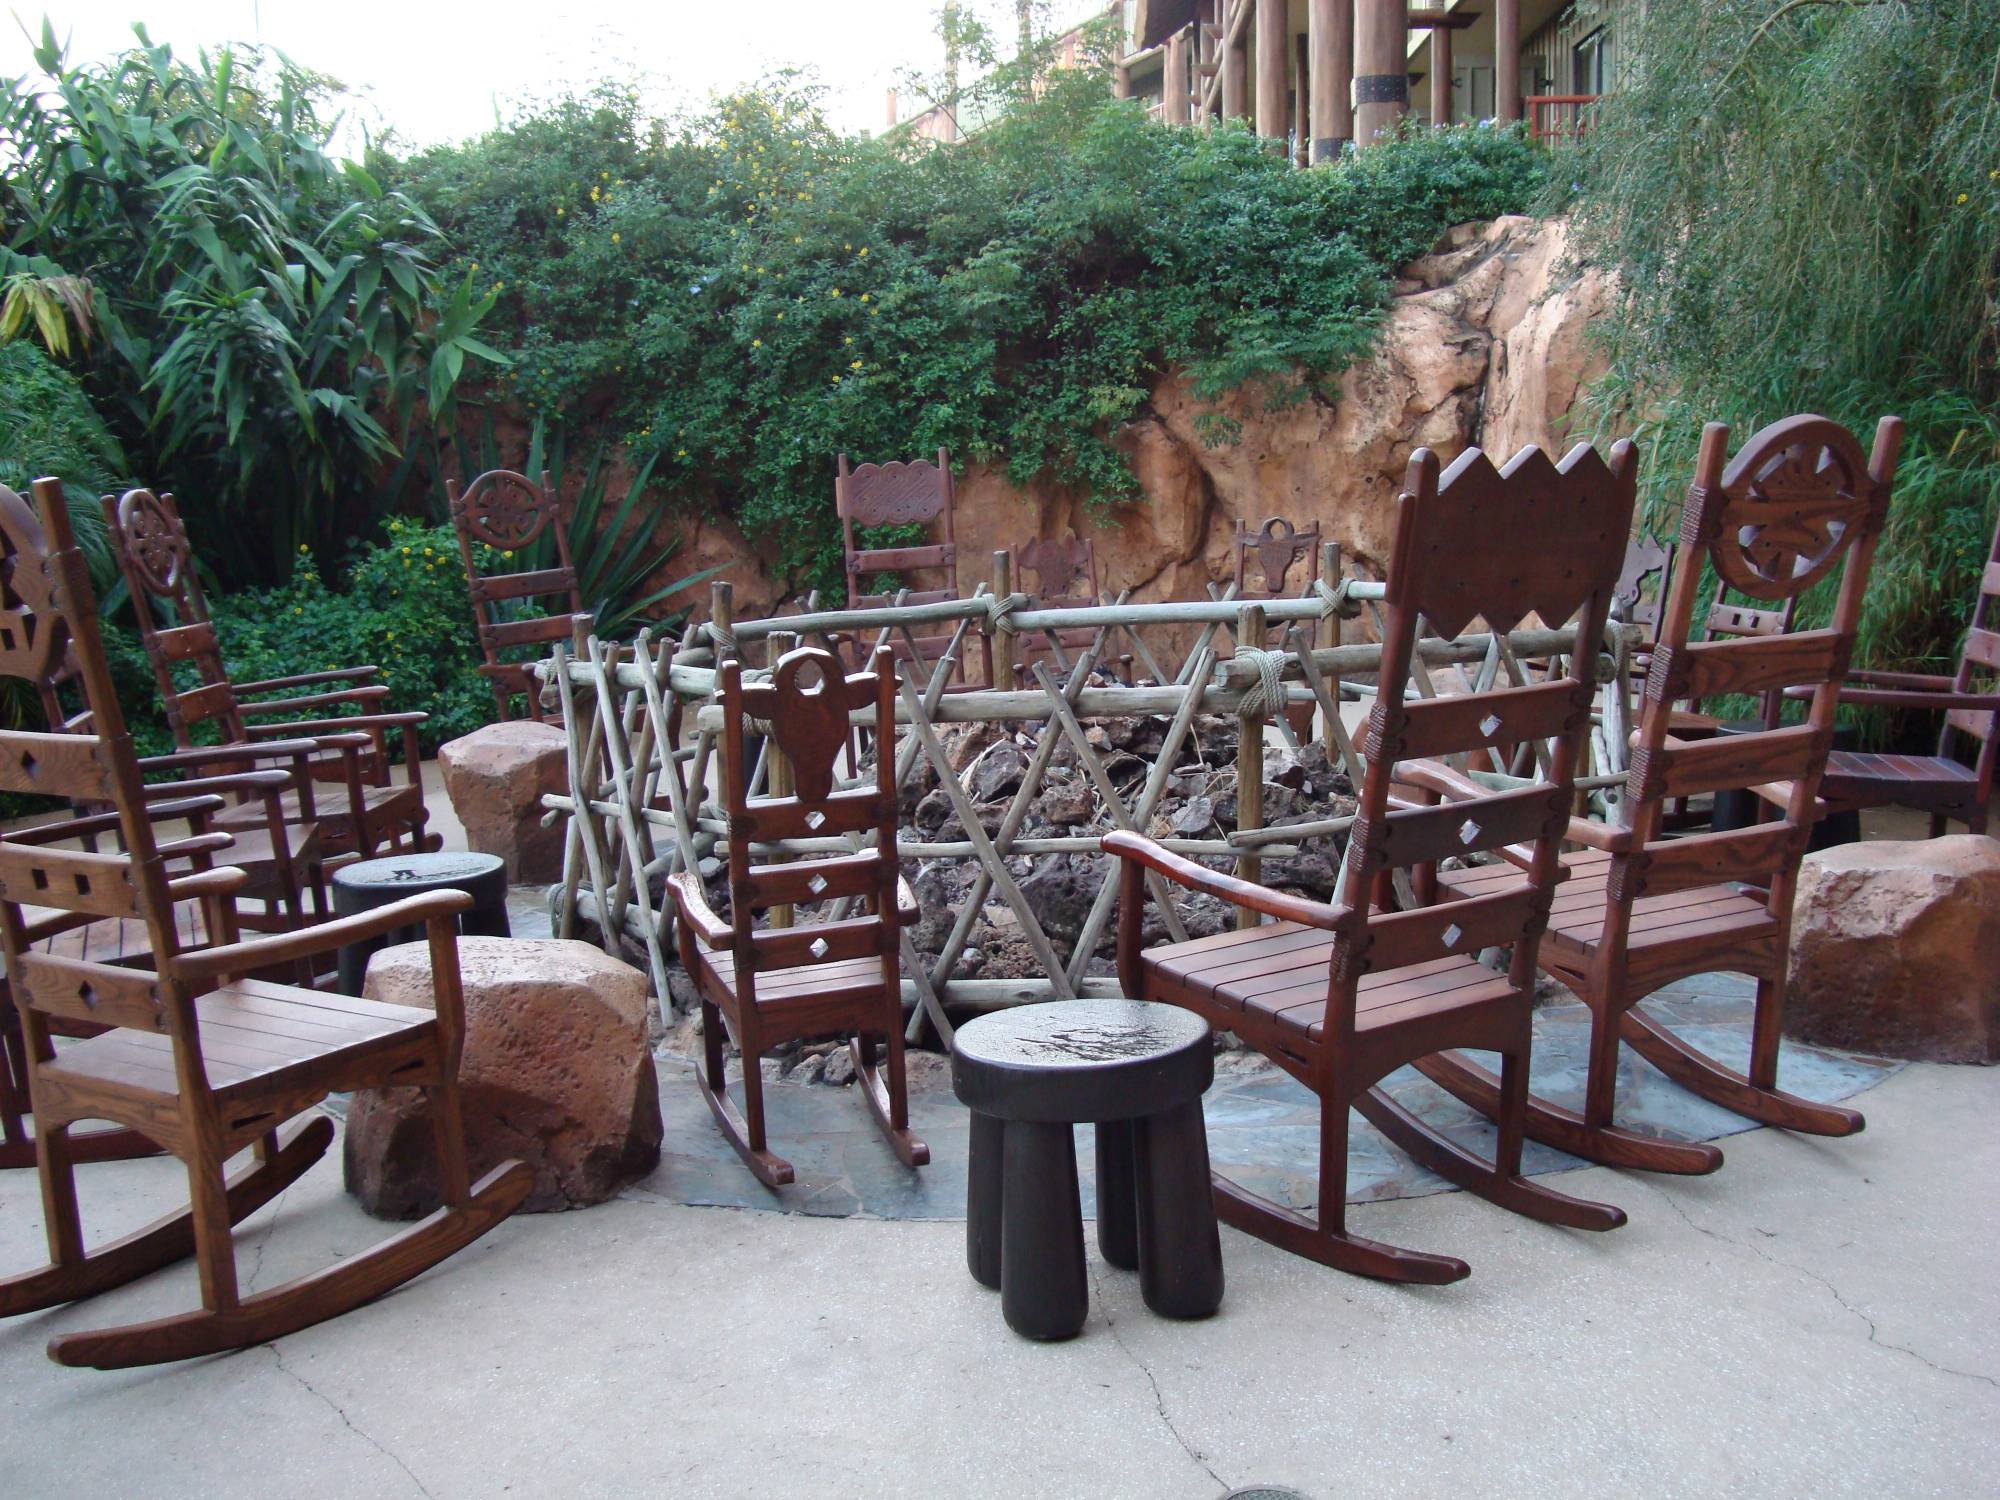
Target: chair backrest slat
[[916, 492], [1447, 570], [1797, 503], [99, 994], [68, 879]]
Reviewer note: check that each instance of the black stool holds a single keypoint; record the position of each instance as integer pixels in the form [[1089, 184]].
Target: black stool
[[1137, 1071], [370, 883]]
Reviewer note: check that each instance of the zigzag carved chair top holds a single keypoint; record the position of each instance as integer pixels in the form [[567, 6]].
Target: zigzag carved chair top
[[916, 492], [1342, 995], [193, 1052], [509, 513], [1799, 502]]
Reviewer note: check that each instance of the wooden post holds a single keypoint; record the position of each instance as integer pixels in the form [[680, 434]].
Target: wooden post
[[1235, 61], [1507, 60], [1003, 585], [1174, 81], [1331, 34], [1301, 101], [1249, 760], [1329, 574], [1440, 75], [1381, 70], [778, 774], [721, 616], [1273, 69]]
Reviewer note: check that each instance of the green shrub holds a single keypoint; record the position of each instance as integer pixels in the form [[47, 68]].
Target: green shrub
[[747, 293], [48, 427], [1803, 208]]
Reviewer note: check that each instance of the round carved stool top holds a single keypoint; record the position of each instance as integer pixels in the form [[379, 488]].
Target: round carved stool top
[[1079, 1060], [375, 882]]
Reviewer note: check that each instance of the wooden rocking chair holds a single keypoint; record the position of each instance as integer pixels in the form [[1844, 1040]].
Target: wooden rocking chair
[[833, 978], [281, 863], [1340, 996], [375, 815], [1065, 570], [1641, 910], [509, 512], [1277, 548], [1943, 785], [196, 1055], [916, 493]]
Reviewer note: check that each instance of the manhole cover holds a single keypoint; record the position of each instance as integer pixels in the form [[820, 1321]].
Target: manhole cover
[[1266, 1492]]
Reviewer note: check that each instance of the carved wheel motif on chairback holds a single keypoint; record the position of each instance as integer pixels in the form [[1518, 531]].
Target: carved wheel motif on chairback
[[154, 538], [1789, 507], [506, 510], [31, 627]]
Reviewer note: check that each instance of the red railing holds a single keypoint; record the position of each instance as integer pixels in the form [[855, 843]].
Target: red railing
[[1555, 117]]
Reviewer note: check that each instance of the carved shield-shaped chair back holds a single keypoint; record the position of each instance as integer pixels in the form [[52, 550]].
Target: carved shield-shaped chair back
[[510, 513], [1267, 556]]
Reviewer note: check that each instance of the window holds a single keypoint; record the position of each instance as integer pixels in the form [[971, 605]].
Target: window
[[1591, 63]]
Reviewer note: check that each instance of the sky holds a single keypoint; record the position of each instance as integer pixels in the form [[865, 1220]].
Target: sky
[[437, 72]]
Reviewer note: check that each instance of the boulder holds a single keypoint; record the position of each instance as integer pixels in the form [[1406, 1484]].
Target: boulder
[[556, 1072], [1896, 949], [496, 778]]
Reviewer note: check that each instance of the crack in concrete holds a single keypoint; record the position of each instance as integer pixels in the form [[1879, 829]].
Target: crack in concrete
[[1159, 1399], [264, 1240], [1874, 1333], [348, 1422]]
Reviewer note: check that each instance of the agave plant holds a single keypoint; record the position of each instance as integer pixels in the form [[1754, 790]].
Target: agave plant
[[612, 567]]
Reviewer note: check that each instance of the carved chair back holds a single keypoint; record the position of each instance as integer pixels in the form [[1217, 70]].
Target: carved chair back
[[1275, 548], [23, 544], [160, 572], [1445, 570], [1641, 596], [1064, 569], [510, 513], [804, 709], [916, 493], [48, 610], [1799, 501], [1971, 730]]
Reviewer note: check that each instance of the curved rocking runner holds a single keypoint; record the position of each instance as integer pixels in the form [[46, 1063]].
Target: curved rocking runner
[[1642, 909], [1341, 996], [782, 982], [194, 1052]]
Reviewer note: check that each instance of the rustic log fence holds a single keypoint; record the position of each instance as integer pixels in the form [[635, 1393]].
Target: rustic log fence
[[642, 723]]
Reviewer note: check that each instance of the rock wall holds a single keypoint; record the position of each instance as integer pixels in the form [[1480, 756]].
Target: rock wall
[[1484, 343]]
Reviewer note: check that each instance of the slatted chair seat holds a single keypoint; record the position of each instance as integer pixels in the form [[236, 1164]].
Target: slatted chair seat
[[1936, 784], [782, 991], [333, 817], [1279, 971], [255, 1037]]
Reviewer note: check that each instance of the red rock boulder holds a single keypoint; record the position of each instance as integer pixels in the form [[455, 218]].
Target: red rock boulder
[[557, 1071], [1896, 949], [496, 778]]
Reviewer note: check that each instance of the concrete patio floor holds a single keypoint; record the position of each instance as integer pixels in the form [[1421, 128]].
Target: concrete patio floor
[[1818, 1319]]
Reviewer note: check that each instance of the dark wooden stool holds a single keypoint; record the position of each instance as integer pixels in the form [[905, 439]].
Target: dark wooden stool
[[1136, 1071], [369, 883]]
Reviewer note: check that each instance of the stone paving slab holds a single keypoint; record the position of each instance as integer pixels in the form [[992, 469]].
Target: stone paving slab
[[1263, 1126]]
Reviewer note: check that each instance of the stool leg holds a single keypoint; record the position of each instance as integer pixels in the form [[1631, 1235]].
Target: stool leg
[[983, 1199], [1117, 1193], [1180, 1249], [353, 963], [488, 919], [1043, 1293]]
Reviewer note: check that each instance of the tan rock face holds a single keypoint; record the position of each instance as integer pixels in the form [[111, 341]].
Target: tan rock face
[[1896, 949], [556, 1072], [496, 778], [1484, 343]]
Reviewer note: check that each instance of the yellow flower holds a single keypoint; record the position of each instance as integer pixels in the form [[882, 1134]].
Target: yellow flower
[[756, 343], [855, 366], [864, 296], [392, 635], [605, 175], [475, 265], [802, 197], [304, 548], [297, 611], [429, 553], [560, 210], [761, 271], [406, 552], [1964, 197], [594, 195], [873, 313], [847, 247], [681, 453], [848, 340], [836, 380], [781, 317], [614, 236], [796, 240], [864, 250], [836, 291]]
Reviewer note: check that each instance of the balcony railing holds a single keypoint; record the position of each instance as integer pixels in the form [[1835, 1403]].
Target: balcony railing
[[1556, 117]]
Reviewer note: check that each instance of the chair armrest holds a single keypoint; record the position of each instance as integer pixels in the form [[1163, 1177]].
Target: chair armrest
[[1436, 776], [907, 909], [367, 696], [318, 727], [94, 823], [1779, 794], [1228, 888], [310, 679], [1605, 836], [222, 880], [1922, 681], [201, 843], [691, 905], [242, 781], [1869, 697], [208, 754], [285, 947]]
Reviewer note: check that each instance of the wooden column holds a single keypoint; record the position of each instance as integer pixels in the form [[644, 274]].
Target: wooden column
[[1235, 61], [1273, 69], [1174, 80], [1003, 657], [1507, 60], [779, 781], [1301, 101], [1381, 69], [1331, 33], [1441, 75]]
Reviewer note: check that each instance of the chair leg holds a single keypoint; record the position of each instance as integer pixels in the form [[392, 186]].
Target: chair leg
[[1327, 1240], [168, 1239], [746, 1135], [1565, 1129], [1701, 1074], [448, 1125], [889, 1103]]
